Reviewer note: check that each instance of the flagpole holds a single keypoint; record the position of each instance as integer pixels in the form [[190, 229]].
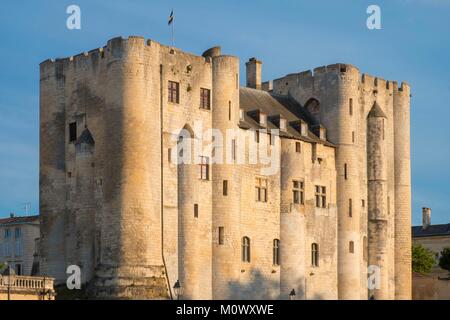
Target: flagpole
[[173, 22]]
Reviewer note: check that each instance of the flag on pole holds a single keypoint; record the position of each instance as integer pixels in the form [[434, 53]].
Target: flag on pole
[[170, 18]]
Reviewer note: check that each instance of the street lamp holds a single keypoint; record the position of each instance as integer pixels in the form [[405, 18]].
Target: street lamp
[[292, 295], [178, 289], [8, 277]]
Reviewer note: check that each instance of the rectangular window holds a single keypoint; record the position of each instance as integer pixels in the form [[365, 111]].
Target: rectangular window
[[350, 208], [7, 234], [205, 98], [18, 248], [298, 192], [363, 203], [261, 190], [72, 132], [353, 136], [195, 210], [221, 236], [229, 110], [345, 171], [225, 187], [257, 136], [18, 269], [204, 168], [298, 147], [18, 233], [321, 197], [174, 92], [233, 149], [351, 247], [350, 106], [169, 155]]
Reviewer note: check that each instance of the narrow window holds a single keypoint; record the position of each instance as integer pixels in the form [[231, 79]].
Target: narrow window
[[225, 187], [388, 205], [18, 233], [18, 268], [298, 190], [276, 252], [7, 234], [72, 132], [345, 171], [350, 208], [365, 248], [353, 136], [169, 155], [298, 147], [351, 247], [195, 210], [261, 190], [383, 129], [350, 106], [204, 168], [363, 203], [205, 98], [221, 236], [174, 92], [233, 149], [315, 255], [321, 197], [245, 249], [257, 136], [229, 110]]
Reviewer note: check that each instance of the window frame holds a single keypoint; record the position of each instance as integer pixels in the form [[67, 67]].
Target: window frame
[[173, 92], [276, 252], [205, 99], [204, 168], [314, 254], [261, 189], [245, 250], [321, 196], [298, 192]]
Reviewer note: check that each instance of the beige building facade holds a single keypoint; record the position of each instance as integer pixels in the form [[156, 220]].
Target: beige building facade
[[18, 243], [435, 237], [157, 166]]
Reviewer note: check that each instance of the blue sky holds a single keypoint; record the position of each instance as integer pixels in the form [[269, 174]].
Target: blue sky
[[288, 36]]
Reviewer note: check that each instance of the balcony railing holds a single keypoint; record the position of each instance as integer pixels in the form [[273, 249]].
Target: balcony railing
[[27, 283]]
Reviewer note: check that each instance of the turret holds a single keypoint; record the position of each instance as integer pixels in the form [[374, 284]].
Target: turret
[[226, 205], [377, 197], [402, 171], [85, 204], [426, 218]]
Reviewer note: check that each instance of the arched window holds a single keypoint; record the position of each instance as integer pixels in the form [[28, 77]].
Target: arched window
[[245, 249], [315, 255], [276, 252], [351, 247]]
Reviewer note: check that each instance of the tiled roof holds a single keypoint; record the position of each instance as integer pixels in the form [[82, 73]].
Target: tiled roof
[[19, 220], [432, 230], [273, 105]]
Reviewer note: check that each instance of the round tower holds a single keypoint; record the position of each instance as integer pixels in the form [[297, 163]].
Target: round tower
[[338, 93], [292, 226], [402, 169], [131, 260], [377, 202], [225, 205], [189, 268], [85, 204]]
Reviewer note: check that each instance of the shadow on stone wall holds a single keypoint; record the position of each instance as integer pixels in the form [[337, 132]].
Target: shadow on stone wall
[[260, 287]]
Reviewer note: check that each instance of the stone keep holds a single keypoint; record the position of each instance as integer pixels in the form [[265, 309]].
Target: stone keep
[[114, 202]]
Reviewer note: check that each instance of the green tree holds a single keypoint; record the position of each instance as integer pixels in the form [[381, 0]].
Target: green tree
[[444, 261], [422, 259]]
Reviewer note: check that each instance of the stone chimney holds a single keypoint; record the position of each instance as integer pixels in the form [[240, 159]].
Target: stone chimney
[[254, 78], [426, 218]]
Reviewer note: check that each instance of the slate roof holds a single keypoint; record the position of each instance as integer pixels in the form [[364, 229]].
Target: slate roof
[[376, 112], [19, 220], [272, 105], [432, 230], [85, 137]]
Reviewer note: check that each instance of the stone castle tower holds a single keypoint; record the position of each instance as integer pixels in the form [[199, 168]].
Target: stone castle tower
[[116, 203]]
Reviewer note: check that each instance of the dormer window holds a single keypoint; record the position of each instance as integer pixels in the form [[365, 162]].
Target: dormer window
[[283, 124], [304, 129], [262, 119], [241, 114]]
